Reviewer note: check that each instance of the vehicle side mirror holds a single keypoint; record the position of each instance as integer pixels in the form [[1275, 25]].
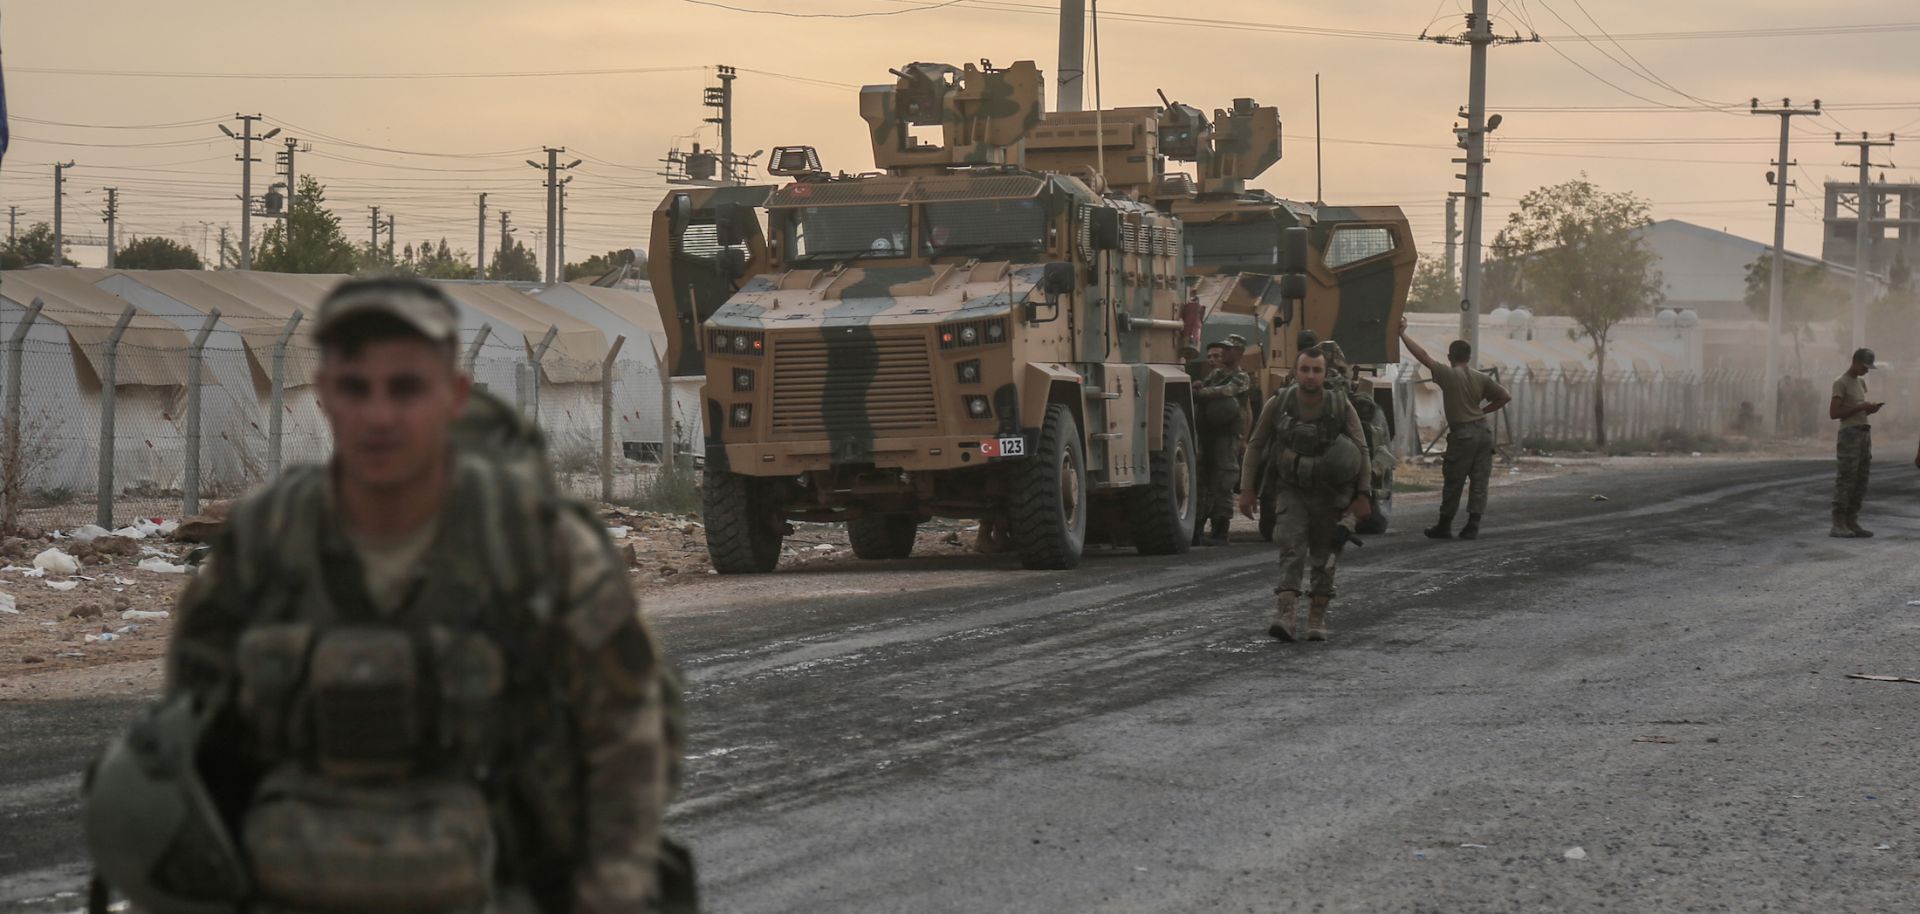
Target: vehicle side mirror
[[1056, 279], [1294, 245], [1293, 288], [732, 262], [1275, 294], [1103, 228], [679, 214], [730, 221]]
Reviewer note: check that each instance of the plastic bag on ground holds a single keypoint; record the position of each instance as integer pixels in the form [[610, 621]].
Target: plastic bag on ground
[[87, 533], [56, 562], [63, 585], [132, 533], [8, 604], [149, 615], [159, 565]]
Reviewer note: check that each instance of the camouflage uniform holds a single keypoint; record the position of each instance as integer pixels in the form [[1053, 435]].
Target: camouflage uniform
[[1310, 515], [1220, 443], [585, 710]]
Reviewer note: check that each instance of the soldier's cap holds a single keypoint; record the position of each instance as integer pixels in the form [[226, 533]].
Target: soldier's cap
[[1864, 356], [1236, 341], [418, 304], [1216, 344]]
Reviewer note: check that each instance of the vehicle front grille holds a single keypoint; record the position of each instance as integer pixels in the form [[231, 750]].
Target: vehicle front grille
[[851, 385]]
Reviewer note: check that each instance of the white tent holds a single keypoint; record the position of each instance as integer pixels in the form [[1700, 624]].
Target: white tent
[[618, 312]]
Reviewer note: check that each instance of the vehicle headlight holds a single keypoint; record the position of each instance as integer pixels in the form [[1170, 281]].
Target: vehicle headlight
[[743, 415], [970, 372], [742, 379], [977, 407], [969, 336], [996, 331], [740, 342]]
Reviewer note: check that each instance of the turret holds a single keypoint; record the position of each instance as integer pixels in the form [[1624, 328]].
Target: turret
[[984, 115]]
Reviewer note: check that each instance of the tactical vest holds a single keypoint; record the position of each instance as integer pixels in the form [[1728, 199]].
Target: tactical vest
[[1314, 453], [396, 741]]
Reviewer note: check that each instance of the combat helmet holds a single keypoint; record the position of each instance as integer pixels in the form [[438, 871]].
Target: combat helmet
[[152, 828]]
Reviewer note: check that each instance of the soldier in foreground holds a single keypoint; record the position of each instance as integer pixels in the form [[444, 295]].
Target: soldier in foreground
[[1220, 399], [1309, 438], [1855, 445], [1470, 395], [412, 679]]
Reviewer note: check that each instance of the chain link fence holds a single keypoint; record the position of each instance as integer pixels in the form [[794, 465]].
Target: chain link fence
[[98, 424]]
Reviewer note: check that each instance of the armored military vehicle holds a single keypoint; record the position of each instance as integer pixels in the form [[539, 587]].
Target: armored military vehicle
[[1359, 260], [959, 335]]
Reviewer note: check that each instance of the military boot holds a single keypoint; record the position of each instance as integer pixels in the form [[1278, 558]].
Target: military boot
[[1853, 523], [1283, 616], [1220, 531], [1442, 530], [1317, 618], [1840, 528], [1472, 529]]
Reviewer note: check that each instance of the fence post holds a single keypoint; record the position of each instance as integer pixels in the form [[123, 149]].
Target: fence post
[[533, 368], [606, 419], [279, 394], [109, 368], [190, 491], [473, 348], [666, 410], [16, 345]]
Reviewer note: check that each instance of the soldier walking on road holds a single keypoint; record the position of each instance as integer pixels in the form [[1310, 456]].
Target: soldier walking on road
[[1310, 440], [411, 679], [1469, 395], [1855, 447], [1221, 400]]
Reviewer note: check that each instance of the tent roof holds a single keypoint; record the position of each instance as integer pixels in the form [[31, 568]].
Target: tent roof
[[89, 314]]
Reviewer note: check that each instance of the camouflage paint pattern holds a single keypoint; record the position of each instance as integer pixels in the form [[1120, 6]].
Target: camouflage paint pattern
[[689, 279]]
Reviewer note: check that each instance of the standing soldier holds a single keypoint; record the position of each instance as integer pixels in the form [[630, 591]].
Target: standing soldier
[[1855, 447], [411, 679], [1311, 439], [1469, 396], [1221, 400]]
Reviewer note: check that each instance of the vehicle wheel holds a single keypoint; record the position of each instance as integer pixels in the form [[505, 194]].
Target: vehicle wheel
[[1049, 498], [1269, 516], [1163, 512], [743, 537], [1382, 497], [883, 536]]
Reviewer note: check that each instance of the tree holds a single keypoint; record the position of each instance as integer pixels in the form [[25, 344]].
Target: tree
[[1811, 292], [1890, 319], [35, 245], [1572, 250], [157, 253], [318, 245], [430, 262], [514, 262], [601, 264], [1434, 289]]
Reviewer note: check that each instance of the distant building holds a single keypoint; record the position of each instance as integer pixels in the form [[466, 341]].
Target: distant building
[[1893, 234]]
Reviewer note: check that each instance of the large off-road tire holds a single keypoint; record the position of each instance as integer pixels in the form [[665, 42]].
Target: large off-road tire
[[1376, 522], [1163, 512], [1269, 515], [883, 536], [743, 537], [1048, 503]]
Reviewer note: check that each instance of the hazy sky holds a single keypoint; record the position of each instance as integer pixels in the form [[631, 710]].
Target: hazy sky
[[423, 148]]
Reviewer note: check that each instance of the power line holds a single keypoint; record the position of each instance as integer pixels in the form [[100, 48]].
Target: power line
[[793, 15], [182, 74]]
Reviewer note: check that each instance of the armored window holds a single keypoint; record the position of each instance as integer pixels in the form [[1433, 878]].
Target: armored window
[[841, 232], [1234, 247], [703, 241], [1012, 229], [1352, 244]]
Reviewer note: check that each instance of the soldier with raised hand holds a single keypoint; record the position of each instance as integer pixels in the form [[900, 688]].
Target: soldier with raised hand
[[413, 678], [1309, 439], [1220, 399], [1470, 396], [1855, 445]]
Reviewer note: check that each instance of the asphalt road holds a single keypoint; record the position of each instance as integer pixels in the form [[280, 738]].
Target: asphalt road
[[1657, 680]]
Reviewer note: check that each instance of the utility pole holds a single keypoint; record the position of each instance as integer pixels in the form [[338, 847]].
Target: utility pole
[[13, 223], [390, 238], [480, 250], [553, 169], [1473, 138], [1453, 239], [1776, 302], [59, 199], [1869, 209], [293, 184], [721, 97], [563, 228], [112, 218], [373, 236], [246, 161], [223, 247], [1073, 55], [504, 220]]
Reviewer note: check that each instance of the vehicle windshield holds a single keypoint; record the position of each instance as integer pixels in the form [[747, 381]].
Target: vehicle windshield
[[820, 233], [1240, 247], [1015, 229]]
